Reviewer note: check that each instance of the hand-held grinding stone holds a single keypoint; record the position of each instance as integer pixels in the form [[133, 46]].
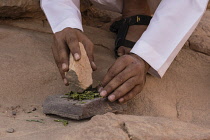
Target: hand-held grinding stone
[[79, 75], [74, 109]]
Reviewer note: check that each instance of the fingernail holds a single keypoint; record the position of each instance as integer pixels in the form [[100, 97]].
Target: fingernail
[[76, 56], [64, 66], [111, 97], [65, 81], [103, 93], [100, 89], [94, 65], [120, 54], [121, 100]]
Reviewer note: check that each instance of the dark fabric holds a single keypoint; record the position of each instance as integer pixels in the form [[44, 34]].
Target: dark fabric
[[121, 29]]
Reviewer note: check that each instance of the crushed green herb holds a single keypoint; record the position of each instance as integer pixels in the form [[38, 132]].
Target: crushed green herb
[[89, 94], [40, 121], [65, 122], [82, 102]]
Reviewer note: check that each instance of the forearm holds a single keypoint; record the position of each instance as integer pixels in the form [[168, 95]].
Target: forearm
[[62, 14]]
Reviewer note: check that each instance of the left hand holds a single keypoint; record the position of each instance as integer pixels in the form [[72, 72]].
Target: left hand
[[125, 79]]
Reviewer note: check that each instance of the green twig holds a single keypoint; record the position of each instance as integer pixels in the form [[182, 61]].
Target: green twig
[[40, 121], [65, 122]]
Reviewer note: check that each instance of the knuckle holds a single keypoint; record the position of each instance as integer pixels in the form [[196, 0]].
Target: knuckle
[[126, 98], [138, 66], [68, 29], [128, 59], [118, 93], [129, 96], [120, 78], [111, 74], [88, 43], [72, 39], [139, 80], [89, 46], [62, 59], [129, 83], [59, 64], [109, 88], [61, 49]]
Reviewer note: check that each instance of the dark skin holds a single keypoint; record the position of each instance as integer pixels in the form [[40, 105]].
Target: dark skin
[[126, 77]]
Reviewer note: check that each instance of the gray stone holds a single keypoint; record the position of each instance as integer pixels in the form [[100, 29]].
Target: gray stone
[[73, 109], [14, 113], [10, 130]]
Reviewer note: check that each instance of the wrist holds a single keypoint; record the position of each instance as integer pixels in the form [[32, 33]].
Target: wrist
[[146, 65]]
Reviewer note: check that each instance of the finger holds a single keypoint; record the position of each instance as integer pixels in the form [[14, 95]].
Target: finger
[[123, 89], [121, 51], [126, 50], [57, 61], [120, 79], [89, 47], [63, 53], [73, 44], [136, 90], [114, 70]]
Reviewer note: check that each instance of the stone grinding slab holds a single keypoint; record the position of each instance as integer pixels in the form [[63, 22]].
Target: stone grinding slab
[[74, 109]]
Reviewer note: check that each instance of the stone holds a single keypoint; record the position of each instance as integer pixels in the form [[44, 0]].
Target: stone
[[130, 127], [14, 113], [10, 130], [84, 5], [200, 44], [73, 109], [200, 39], [34, 109], [21, 9], [79, 75], [28, 9]]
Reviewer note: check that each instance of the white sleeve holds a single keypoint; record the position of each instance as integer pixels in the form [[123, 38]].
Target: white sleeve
[[171, 26], [62, 14]]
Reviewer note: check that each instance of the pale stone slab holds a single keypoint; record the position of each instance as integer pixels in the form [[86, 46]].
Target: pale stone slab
[[80, 72]]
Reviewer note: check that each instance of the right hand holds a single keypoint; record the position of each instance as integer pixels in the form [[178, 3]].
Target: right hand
[[67, 41]]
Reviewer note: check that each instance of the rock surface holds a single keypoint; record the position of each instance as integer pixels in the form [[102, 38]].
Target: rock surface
[[200, 39], [119, 127], [20, 9], [80, 72], [57, 105], [84, 5], [128, 127]]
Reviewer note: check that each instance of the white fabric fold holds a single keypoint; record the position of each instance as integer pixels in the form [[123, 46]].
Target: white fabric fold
[[62, 14], [169, 29]]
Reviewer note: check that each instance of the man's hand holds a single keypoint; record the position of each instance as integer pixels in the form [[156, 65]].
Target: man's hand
[[67, 41], [125, 79]]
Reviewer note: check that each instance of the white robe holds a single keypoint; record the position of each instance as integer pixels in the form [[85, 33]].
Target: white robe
[[171, 26]]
